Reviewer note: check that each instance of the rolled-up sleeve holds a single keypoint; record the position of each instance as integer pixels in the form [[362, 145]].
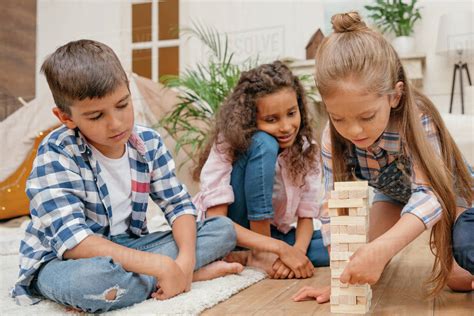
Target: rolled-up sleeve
[[56, 191], [165, 188], [215, 181], [423, 202]]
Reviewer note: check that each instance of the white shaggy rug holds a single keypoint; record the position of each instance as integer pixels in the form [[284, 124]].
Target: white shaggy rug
[[203, 295]]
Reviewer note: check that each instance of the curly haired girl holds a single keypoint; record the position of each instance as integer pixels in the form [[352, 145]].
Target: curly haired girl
[[261, 168]]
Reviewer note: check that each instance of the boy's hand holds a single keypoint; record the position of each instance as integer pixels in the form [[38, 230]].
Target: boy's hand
[[186, 264], [366, 264], [281, 271], [296, 260], [321, 295], [170, 283]]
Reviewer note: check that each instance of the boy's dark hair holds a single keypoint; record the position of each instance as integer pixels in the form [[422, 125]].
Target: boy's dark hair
[[82, 69]]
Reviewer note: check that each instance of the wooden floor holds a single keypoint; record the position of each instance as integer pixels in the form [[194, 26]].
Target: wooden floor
[[399, 292]]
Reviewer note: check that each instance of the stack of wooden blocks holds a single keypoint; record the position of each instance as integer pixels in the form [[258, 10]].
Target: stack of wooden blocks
[[349, 211]]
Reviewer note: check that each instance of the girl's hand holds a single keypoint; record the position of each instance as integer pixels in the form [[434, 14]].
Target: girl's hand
[[366, 264], [296, 260], [281, 271], [321, 295]]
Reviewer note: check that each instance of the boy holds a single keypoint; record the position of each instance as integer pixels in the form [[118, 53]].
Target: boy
[[87, 245]]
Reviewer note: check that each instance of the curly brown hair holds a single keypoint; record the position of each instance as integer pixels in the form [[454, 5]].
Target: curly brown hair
[[236, 120]]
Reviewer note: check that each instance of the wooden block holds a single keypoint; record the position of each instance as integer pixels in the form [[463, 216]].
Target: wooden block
[[352, 229], [334, 212], [334, 299], [336, 273], [349, 220], [362, 211], [354, 290], [340, 247], [347, 299], [361, 229], [338, 264], [346, 238], [349, 309], [336, 195], [361, 300], [353, 211], [358, 194], [340, 255], [342, 229], [334, 229], [337, 284], [350, 185], [346, 203], [355, 246]]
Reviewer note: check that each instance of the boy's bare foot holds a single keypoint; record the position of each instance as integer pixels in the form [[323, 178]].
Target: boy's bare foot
[[217, 269], [238, 256]]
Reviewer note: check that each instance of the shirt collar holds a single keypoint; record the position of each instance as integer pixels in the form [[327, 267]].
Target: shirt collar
[[390, 139]]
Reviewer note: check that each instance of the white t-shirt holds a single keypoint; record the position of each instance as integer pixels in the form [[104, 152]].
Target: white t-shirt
[[117, 177]]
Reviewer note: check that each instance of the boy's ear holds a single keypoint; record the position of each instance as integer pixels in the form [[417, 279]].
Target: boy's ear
[[395, 100], [64, 118]]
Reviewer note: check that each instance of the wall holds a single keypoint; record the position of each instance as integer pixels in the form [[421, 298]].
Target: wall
[[282, 29], [62, 21], [439, 69], [268, 29]]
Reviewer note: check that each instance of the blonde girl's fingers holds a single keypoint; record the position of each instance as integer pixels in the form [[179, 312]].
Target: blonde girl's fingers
[[302, 290], [307, 294], [291, 275], [345, 275], [323, 298]]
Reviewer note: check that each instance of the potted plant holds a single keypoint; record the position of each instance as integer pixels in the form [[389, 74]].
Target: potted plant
[[201, 90], [397, 17]]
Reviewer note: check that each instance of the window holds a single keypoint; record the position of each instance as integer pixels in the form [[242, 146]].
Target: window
[[155, 38]]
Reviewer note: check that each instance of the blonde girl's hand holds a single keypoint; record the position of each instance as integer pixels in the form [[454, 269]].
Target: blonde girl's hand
[[320, 295], [365, 265], [281, 271]]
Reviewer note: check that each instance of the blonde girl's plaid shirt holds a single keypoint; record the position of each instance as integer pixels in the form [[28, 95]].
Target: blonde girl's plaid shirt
[[423, 203], [70, 201]]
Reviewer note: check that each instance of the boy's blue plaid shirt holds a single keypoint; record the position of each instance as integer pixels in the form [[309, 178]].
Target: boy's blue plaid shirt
[[70, 201]]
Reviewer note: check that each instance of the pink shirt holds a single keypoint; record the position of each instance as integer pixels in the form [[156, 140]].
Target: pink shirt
[[289, 201]]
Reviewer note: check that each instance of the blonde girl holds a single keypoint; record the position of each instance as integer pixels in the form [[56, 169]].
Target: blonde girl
[[383, 130]]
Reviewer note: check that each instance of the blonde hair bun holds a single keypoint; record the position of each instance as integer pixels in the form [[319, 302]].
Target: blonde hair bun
[[347, 22]]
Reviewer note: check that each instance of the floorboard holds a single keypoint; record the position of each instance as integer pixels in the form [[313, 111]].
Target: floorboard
[[400, 291]]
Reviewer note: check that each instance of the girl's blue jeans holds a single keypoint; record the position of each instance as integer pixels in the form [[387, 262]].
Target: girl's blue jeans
[[84, 283], [463, 240], [252, 181]]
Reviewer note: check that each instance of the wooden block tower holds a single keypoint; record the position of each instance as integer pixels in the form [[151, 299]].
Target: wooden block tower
[[349, 211]]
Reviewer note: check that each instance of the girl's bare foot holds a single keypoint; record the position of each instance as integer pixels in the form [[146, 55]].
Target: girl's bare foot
[[217, 269]]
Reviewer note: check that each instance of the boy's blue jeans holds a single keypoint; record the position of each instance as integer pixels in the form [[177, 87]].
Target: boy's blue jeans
[[252, 181], [463, 240], [83, 283]]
